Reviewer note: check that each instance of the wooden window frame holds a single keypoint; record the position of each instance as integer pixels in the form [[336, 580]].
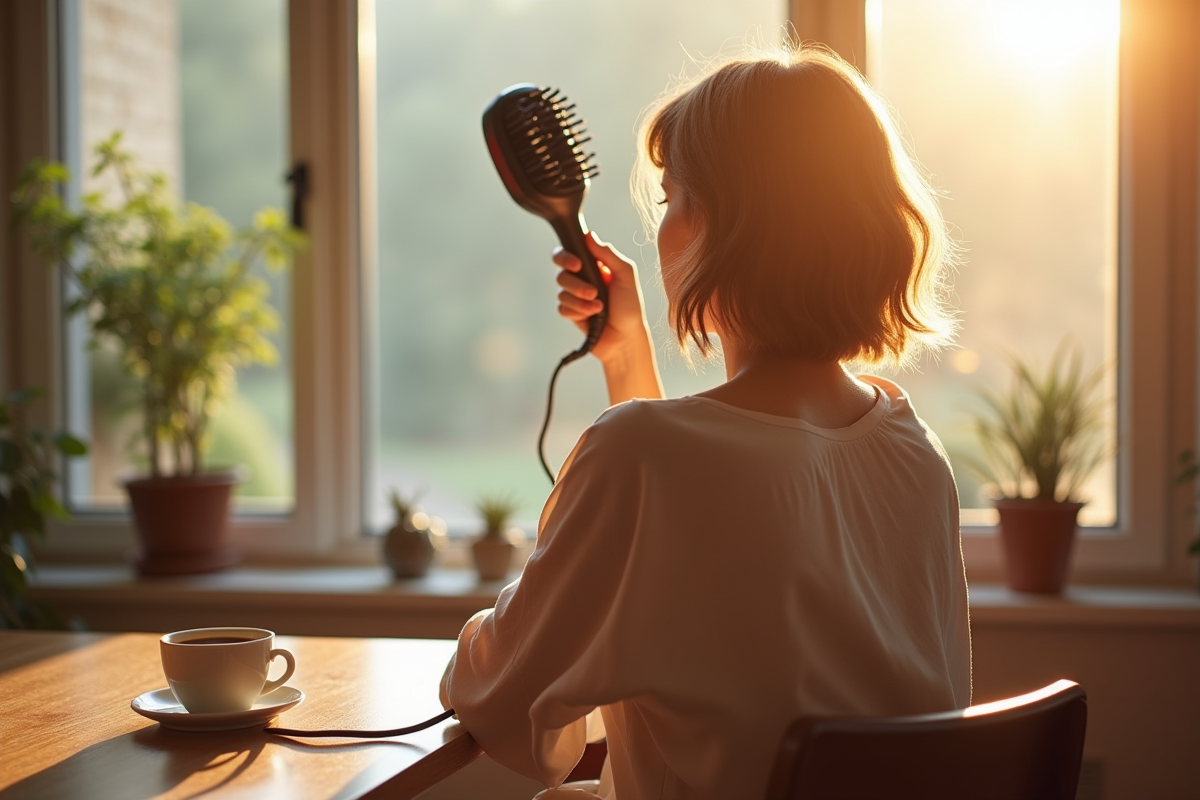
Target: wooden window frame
[[1157, 384], [326, 521], [1157, 303]]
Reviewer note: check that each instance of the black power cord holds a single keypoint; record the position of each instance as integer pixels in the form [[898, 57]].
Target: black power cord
[[567, 359], [420, 726]]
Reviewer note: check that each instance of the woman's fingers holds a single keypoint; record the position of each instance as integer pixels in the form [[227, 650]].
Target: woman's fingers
[[566, 260], [612, 258], [574, 307], [577, 300], [577, 286]]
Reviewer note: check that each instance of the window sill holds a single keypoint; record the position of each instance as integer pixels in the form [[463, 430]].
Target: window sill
[[366, 601], [994, 605], [318, 601]]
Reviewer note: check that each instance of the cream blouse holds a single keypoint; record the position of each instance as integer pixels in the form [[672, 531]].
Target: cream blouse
[[704, 575]]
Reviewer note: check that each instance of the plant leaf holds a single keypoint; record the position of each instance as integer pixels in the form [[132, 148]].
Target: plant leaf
[[68, 445], [25, 516], [10, 457], [20, 397]]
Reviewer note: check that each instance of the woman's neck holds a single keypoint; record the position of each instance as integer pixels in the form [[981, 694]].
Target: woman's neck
[[822, 393]]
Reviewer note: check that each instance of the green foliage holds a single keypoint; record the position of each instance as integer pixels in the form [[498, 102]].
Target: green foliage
[[404, 505], [1042, 438], [496, 510], [171, 287], [27, 481]]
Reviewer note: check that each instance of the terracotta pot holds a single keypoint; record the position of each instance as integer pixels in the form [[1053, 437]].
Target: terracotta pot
[[493, 557], [1037, 537], [408, 549], [182, 523]]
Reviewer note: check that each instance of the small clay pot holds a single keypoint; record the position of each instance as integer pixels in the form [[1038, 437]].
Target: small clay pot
[[408, 549], [493, 557], [182, 523], [1037, 537]]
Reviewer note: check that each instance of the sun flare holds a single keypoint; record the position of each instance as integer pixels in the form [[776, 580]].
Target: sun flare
[[1049, 36]]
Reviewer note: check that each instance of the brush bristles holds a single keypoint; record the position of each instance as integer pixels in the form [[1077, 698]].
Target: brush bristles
[[546, 135]]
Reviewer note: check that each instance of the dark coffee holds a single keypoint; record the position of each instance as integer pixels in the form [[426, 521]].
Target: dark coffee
[[219, 640]]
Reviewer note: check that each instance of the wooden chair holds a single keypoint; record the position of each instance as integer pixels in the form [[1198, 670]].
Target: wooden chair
[[1027, 747]]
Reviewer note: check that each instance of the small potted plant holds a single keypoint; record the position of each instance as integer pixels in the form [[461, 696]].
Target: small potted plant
[[173, 289], [408, 547], [493, 551], [27, 479], [1040, 442]]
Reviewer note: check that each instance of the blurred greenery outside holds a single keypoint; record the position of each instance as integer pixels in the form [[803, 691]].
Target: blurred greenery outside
[[468, 334]]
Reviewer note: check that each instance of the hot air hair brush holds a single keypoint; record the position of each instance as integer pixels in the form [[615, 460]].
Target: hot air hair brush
[[536, 141]]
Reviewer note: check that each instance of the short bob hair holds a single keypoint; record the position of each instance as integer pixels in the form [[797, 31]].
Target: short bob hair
[[816, 234]]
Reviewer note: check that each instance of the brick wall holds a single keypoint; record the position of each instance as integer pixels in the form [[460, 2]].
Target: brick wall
[[130, 80]]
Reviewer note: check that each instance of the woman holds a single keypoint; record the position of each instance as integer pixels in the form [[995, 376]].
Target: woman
[[709, 568]]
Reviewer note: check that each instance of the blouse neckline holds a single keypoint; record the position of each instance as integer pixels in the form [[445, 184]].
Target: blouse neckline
[[857, 429]]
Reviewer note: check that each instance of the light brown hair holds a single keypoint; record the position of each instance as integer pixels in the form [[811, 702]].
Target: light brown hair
[[816, 234]]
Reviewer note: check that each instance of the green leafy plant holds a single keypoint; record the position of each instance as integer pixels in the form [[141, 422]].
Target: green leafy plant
[[171, 287], [27, 477], [497, 511], [1041, 438]]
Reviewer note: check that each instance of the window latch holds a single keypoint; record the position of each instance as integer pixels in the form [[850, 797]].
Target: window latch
[[298, 178]]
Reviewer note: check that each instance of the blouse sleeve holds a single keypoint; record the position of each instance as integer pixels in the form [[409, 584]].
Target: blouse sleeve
[[524, 674]]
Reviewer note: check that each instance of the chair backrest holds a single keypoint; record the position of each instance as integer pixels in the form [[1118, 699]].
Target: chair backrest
[[1027, 747]]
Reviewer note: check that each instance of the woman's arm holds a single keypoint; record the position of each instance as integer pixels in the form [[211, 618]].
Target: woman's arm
[[527, 673], [625, 348]]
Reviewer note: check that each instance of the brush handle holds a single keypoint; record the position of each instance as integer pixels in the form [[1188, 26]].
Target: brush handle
[[572, 234]]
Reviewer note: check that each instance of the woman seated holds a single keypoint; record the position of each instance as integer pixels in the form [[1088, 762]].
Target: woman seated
[[709, 568]]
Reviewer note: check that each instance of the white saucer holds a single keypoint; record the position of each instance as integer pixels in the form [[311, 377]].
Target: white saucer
[[162, 707]]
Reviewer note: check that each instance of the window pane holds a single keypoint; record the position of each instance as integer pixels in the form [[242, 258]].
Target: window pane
[[1012, 108], [199, 88], [467, 328]]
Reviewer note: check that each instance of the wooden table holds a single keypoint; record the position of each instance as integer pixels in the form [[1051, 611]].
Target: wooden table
[[67, 731]]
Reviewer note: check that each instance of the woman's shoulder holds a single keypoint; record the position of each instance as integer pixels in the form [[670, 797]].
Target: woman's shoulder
[[904, 417], [643, 426], [891, 390], [641, 417]]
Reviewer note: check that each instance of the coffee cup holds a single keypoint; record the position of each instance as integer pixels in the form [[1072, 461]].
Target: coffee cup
[[220, 670]]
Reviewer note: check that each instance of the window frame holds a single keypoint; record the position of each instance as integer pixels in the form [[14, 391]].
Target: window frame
[[1159, 173], [1157, 381], [325, 522]]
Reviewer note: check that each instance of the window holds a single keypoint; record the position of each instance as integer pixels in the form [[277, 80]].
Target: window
[[467, 333], [1149, 321], [309, 118], [199, 89], [1012, 108]]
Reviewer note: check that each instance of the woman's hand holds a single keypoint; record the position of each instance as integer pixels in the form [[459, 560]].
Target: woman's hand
[[625, 347]]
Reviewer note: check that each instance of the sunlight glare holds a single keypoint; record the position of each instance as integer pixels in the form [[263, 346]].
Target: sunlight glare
[[965, 361], [1051, 35]]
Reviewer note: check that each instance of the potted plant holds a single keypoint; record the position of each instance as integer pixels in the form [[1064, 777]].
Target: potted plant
[[493, 551], [408, 547], [1040, 442], [172, 288], [26, 498]]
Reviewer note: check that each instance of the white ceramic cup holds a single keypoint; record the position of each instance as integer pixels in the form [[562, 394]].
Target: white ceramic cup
[[219, 670]]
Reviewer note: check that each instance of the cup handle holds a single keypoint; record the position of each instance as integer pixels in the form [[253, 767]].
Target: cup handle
[[271, 686]]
